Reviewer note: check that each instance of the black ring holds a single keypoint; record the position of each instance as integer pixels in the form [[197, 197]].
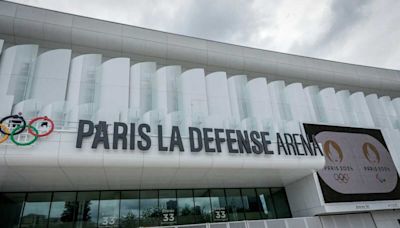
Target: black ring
[[17, 117]]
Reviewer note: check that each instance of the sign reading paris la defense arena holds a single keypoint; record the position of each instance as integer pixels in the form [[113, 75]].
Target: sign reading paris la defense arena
[[207, 139]]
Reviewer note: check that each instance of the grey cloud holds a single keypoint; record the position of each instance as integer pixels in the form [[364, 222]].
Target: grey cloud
[[345, 15], [232, 21]]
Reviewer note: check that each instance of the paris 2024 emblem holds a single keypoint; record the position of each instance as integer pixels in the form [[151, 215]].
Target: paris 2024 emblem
[[356, 163]]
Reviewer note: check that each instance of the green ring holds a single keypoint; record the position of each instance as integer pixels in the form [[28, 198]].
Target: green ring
[[27, 143]]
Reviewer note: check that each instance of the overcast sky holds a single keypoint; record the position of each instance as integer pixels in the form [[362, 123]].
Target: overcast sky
[[364, 32]]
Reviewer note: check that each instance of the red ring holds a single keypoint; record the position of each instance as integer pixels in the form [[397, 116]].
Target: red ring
[[45, 118]]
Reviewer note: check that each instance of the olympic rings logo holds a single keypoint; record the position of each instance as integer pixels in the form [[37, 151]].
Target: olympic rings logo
[[341, 177], [13, 125]]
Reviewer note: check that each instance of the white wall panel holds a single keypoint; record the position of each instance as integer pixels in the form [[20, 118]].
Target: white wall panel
[[280, 107], [218, 100], [142, 75], [112, 89], [312, 96], [396, 106], [82, 79], [51, 76], [331, 106], [348, 114], [298, 103], [361, 109], [378, 112], [16, 70], [238, 100], [6, 103], [164, 91], [218, 95], [259, 103], [192, 95], [389, 110]]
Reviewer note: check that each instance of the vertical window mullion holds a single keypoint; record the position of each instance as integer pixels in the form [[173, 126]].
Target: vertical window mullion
[[48, 214], [23, 209], [273, 203]]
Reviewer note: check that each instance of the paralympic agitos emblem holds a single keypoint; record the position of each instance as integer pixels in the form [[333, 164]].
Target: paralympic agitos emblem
[[14, 126]]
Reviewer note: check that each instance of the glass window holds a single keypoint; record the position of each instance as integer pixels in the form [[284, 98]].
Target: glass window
[[265, 202], [168, 206], [149, 208], [63, 210], [235, 204], [10, 209], [185, 207], [109, 209], [88, 209], [280, 202], [218, 205], [250, 203], [36, 210], [129, 212], [202, 205]]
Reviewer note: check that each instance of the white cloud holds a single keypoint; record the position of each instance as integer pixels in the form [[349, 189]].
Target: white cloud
[[358, 31]]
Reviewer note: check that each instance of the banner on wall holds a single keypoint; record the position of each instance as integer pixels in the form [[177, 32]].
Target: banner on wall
[[358, 164]]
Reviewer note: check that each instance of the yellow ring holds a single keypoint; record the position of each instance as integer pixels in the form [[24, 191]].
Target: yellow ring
[[6, 130]]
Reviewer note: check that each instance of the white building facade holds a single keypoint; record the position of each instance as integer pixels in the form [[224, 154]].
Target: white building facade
[[111, 125]]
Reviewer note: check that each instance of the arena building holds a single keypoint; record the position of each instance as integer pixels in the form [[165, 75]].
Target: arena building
[[111, 125]]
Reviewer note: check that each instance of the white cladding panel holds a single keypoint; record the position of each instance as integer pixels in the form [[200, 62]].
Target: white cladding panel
[[51, 76], [331, 106], [112, 92], [280, 107], [82, 79], [312, 96], [347, 110], [142, 76], [192, 95], [164, 89], [16, 70], [300, 106], [236, 87], [378, 113], [218, 95]]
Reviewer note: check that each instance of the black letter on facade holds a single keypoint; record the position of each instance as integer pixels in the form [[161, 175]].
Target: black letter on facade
[[297, 143], [266, 142], [306, 145], [160, 140], [257, 148], [101, 135], [144, 136], [208, 140], [81, 133], [176, 139], [316, 146], [243, 141], [218, 139], [289, 143], [280, 144], [132, 138], [117, 135], [199, 139], [230, 140]]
